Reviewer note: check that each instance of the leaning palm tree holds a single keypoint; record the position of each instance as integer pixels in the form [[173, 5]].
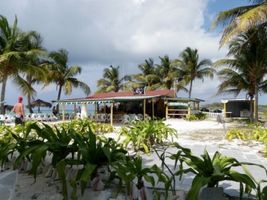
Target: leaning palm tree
[[13, 48], [190, 68], [241, 19], [148, 77], [9, 37], [246, 68], [111, 80], [63, 75]]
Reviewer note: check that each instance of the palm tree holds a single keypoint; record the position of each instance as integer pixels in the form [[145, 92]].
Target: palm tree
[[167, 72], [148, 77], [247, 67], [13, 48], [36, 71], [63, 75], [111, 80], [241, 19], [190, 68]]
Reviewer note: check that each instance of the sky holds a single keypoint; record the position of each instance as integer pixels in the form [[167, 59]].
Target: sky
[[100, 33]]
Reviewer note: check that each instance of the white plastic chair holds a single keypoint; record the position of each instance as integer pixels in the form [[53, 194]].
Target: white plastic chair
[[126, 119], [9, 118], [78, 115]]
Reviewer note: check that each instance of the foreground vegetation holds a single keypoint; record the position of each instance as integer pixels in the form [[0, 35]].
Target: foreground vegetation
[[251, 133], [77, 156]]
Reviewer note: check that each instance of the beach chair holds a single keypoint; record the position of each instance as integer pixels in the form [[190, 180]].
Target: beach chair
[[33, 116], [108, 118], [53, 117], [40, 117], [2, 119], [9, 118], [78, 115], [140, 116], [126, 119], [27, 117], [103, 118]]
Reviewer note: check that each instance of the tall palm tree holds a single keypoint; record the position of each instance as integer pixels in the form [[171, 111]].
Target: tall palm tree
[[63, 75], [241, 19], [167, 72], [148, 77], [13, 48], [246, 67], [190, 68], [111, 80]]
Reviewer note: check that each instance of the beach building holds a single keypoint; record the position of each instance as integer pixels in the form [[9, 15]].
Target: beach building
[[125, 106], [237, 108]]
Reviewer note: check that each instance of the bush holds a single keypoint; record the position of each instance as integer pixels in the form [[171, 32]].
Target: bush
[[197, 116], [258, 134], [82, 125], [67, 147], [144, 134]]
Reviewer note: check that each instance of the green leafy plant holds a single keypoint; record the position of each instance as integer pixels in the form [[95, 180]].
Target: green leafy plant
[[168, 181], [197, 116], [131, 169], [210, 171], [83, 125], [68, 148], [7, 148], [257, 133], [142, 135]]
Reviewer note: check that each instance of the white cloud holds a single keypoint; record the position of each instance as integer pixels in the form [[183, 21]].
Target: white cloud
[[98, 33]]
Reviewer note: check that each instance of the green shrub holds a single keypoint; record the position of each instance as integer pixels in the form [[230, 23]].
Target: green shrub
[[210, 171], [68, 147], [258, 134], [197, 116], [83, 125], [144, 134]]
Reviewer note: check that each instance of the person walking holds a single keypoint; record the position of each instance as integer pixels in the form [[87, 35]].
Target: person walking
[[18, 109]]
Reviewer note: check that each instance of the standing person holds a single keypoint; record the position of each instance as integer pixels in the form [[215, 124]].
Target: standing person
[[54, 110], [18, 109]]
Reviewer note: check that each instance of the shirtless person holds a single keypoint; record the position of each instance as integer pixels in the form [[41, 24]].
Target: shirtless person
[[19, 111]]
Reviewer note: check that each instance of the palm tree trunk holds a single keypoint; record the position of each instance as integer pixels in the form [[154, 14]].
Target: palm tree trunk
[[251, 109], [29, 80], [256, 117], [29, 103], [190, 88], [3, 94], [58, 96]]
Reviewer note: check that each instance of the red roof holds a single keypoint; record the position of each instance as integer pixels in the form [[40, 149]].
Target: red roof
[[104, 95]]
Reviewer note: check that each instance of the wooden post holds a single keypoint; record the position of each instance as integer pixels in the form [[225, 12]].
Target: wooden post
[[63, 112], [189, 109], [224, 109], [95, 108], [75, 109], [152, 100], [111, 114], [144, 108], [166, 110]]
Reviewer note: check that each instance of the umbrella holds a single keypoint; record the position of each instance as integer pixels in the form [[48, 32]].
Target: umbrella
[[8, 107], [40, 103]]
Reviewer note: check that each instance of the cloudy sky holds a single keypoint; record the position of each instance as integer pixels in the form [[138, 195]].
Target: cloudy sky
[[99, 33]]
